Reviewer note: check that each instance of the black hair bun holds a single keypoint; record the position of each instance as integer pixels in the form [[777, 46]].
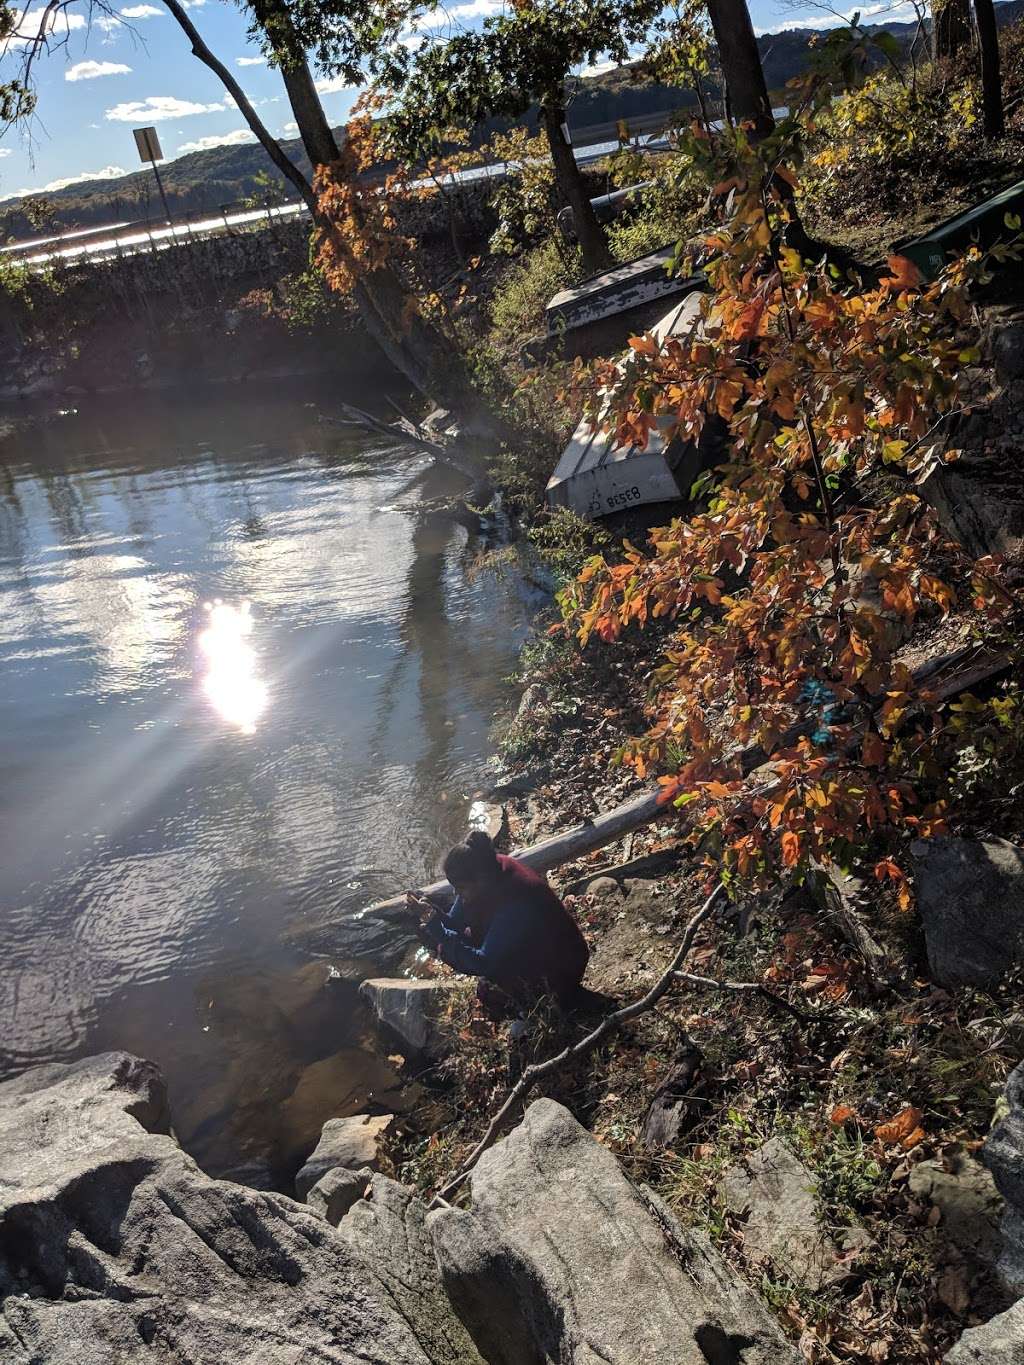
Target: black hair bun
[[480, 839]]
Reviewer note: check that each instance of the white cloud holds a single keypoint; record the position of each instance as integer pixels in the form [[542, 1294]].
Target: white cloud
[[250, 61], [158, 107], [193, 4], [203, 144], [598, 69], [141, 12], [90, 71], [333, 85], [5, 151], [474, 9], [896, 11], [107, 173], [290, 130]]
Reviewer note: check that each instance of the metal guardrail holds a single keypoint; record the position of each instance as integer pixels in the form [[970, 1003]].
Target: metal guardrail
[[154, 234], [149, 235]]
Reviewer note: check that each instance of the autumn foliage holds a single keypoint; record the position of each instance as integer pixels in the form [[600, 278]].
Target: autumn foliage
[[812, 558]]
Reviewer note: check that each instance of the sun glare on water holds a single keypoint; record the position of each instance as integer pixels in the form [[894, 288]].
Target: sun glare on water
[[237, 695]]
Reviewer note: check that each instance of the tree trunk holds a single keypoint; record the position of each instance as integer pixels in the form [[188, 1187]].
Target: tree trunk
[[413, 345], [316, 133], [991, 84], [572, 190], [952, 29], [741, 65]]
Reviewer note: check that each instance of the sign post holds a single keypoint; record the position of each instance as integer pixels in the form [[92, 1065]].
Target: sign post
[[149, 150]]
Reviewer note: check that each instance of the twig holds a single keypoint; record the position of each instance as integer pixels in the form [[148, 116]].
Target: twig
[[748, 987], [538, 1070]]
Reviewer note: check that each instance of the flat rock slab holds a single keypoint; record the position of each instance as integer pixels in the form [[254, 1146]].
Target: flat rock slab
[[998, 1342], [114, 1246], [776, 1194], [411, 1009], [970, 894], [1003, 1154], [348, 1143], [966, 1196], [563, 1259]]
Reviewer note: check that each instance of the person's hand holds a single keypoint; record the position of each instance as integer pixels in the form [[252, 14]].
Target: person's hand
[[418, 905], [429, 931]]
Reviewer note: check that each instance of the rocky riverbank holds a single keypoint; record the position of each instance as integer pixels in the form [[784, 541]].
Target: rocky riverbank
[[115, 1246]]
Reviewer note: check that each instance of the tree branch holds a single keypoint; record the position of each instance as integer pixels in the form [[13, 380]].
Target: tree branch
[[748, 988], [539, 1070], [269, 144]]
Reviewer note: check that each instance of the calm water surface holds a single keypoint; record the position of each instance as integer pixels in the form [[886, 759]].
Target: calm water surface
[[180, 785]]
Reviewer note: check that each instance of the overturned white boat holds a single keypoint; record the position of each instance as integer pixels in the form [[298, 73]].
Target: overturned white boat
[[596, 476], [619, 290]]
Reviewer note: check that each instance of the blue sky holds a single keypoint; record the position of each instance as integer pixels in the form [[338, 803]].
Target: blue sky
[[138, 71]]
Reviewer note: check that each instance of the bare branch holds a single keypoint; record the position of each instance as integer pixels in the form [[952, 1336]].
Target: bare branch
[[748, 988], [269, 144]]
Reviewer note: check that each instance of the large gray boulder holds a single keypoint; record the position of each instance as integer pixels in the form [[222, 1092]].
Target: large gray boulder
[[410, 1010], [970, 894], [563, 1259], [387, 1230], [776, 1196], [349, 1143], [997, 1342], [1003, 1154], [115, 1247]]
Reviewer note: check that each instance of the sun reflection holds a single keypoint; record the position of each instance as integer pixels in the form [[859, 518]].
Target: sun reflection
[[230, 681]]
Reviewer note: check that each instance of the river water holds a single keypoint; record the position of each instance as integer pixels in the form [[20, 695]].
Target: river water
[[248, 675]]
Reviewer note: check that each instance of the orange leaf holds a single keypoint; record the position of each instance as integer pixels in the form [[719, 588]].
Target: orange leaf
[[905, 274], [901, 1127], [842, 1113], [790, 849]]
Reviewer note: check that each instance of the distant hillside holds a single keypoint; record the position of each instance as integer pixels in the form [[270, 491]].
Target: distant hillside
[[207, 181], [200, 181]]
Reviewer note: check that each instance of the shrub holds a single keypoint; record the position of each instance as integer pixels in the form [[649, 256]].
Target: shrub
[[517, 309], [670, 206], [890, 146]]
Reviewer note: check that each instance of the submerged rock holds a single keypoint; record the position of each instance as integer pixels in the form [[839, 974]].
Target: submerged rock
[[1003, 1154], [563, 1259], [114, 1246], [411, 1010], [777, 1196], [347, 1143], [970, 894]]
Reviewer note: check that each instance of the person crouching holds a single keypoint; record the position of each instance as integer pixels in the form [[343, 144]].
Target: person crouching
[[506, 926]]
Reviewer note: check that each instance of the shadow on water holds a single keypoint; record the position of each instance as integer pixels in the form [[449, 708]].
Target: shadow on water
[[158, 832]]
